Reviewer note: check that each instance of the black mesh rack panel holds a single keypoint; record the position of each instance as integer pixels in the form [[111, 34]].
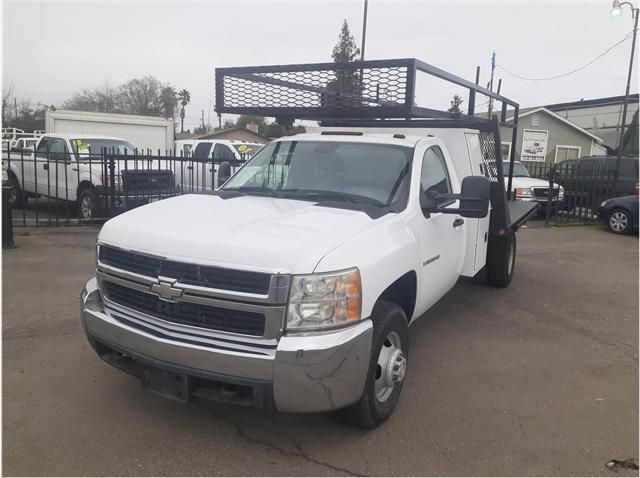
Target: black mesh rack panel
[[354, 90]]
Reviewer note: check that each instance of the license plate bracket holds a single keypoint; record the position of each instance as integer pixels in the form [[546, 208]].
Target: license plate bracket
[[171, 385]]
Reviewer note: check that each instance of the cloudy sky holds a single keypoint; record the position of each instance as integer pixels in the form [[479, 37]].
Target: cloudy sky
[[51, 49]]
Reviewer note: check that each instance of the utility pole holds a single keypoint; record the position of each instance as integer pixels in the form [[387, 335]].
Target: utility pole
[[634, 13], [203, 126], [15, 106], [364, 29], [493, 68]]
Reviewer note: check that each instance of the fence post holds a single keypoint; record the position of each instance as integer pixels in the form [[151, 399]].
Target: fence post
[[552, 175], [112, 184], [7, 218]]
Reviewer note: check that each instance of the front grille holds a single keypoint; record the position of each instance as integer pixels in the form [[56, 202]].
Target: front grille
[[187, 313], [147, 181], [187, 273], [544, 192]]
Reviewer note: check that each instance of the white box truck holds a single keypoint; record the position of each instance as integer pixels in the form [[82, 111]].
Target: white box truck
[[143, 132]]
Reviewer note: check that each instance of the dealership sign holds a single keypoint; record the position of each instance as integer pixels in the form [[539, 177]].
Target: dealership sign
[[534, 145]]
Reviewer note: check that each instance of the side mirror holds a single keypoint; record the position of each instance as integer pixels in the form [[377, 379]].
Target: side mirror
[[224, 172], [474, 198]]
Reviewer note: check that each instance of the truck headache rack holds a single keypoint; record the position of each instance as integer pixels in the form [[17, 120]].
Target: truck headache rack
[[374, 89], [374, 93]]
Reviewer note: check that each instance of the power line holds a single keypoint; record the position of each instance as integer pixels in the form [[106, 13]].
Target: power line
[[572, 71]]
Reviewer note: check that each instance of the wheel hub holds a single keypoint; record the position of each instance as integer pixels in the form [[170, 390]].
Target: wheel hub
[[396, 369], [391, 367], [618, 221]]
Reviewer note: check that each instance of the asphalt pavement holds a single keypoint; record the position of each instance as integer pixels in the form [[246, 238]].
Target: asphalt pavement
[[537, 379]]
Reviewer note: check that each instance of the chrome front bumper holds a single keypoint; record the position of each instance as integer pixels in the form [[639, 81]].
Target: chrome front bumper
[[302, 373]]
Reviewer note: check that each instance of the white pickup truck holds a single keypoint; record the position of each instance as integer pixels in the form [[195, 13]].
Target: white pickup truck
[[293, 287], [74, 167], [527, 188], [200, 170]]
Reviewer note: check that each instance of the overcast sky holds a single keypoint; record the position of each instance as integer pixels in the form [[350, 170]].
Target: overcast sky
[[51, 49]]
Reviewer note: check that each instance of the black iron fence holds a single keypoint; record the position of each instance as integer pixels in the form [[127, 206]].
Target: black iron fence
[[576, 188], [61, 189]]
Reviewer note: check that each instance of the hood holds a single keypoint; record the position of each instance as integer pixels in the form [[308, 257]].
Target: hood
[[526, 182], [246, 232]]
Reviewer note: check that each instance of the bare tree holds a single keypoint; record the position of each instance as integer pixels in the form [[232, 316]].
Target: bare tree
[[7, 93], [142, 96], [104, 99], [169, 100]]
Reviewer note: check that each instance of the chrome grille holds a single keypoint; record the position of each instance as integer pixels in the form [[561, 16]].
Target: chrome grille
[[187, 273], [544, 192], [187, 313]]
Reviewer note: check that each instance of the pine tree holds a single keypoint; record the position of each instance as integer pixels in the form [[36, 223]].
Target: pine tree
[[346, 82]]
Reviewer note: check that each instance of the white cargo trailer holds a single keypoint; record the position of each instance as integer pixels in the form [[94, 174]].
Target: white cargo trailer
[[143, 132]]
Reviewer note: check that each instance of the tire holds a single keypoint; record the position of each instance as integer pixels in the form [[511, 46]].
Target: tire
[[501, 260], [619, 221], [17, 199], [89, 206], [390, 346]]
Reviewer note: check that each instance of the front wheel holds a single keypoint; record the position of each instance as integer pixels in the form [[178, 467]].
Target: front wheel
[[619, 221], [387, 368], [501, 260]]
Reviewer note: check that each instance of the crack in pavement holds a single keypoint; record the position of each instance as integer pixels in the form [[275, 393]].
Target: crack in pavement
[[297, 453]]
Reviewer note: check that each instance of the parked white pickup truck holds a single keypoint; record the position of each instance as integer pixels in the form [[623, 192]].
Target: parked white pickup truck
[[73, 167], [199, 171], [526, 188], [294, 285]]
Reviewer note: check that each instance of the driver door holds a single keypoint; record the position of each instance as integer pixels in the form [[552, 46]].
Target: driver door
[[442, 236]]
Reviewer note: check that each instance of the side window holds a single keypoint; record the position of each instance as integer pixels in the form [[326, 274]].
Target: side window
[[202, 151], [223, 153], [57, 149], [42, 148], [434, 176]]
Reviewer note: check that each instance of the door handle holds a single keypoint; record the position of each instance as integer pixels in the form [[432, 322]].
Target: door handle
[[45, 166], [74, 169], [189, 167], [458, 222]]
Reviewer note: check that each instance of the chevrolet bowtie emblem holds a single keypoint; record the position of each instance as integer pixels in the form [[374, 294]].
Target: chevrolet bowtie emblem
[[166, 290]]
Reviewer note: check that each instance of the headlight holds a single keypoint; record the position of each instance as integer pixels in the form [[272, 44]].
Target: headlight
[[604, 203], [324, 300], [523, 192]]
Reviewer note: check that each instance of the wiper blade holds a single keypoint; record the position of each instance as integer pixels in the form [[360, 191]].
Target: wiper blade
[[331, 196], [255, 190]]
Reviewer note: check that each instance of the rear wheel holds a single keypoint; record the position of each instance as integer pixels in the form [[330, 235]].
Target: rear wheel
[[387, 368], [619, 221], [88, 204], [501, 260], [17, 198]]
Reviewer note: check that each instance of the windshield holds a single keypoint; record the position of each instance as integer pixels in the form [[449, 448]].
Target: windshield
[[376, 174], [519, 169], [247, 150], [97, 146]]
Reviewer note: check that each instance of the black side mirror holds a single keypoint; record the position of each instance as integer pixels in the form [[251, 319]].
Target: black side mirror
[[474, 198], [224, 172]]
